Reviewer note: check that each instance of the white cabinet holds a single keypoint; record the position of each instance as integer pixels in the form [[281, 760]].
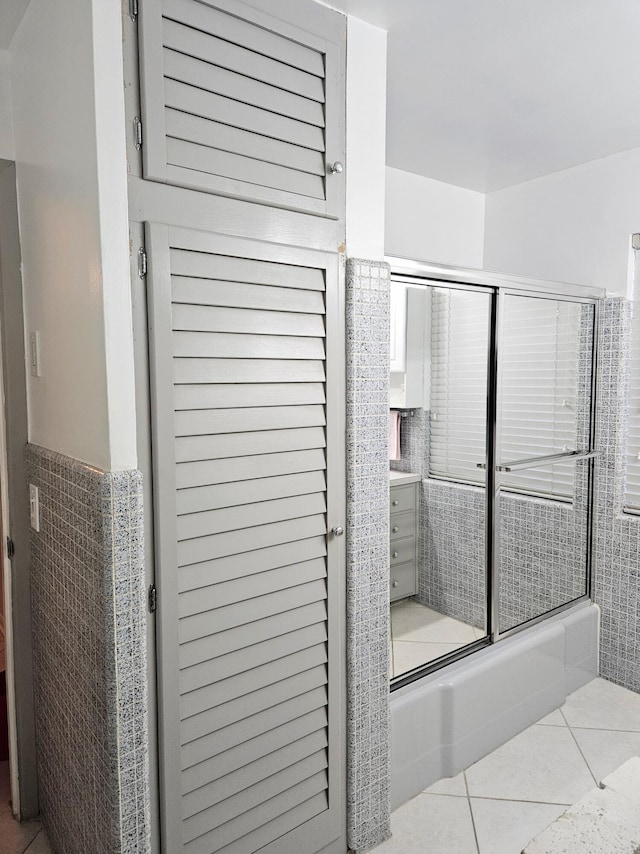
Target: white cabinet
[[403, 539]]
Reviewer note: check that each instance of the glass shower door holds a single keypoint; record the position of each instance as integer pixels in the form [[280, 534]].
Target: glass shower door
[[544, 453]]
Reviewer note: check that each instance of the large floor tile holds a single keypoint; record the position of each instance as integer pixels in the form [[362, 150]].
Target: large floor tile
[[625, 781], [553, 719], [411, 621], [40, 845], [431, 824], [541, 764], [449, 786], [505, 827], [600, 823], [603, 705], [606, 750], [16, 836]]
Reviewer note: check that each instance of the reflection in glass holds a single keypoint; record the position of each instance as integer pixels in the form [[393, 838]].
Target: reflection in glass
[[442, 348]]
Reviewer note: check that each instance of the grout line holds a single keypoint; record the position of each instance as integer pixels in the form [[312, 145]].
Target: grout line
[[473, 820], [519, 801], [29, 844], [584, 758]]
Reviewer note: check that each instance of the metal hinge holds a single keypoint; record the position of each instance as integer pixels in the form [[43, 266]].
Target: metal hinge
[[133, 9], [153, 599], [137, 132], [11, 549], [142, 262]]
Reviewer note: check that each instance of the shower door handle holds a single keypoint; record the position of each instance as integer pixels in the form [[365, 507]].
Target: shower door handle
[[533, 462]]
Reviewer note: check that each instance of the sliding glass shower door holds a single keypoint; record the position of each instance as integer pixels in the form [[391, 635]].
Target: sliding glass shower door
[[544, 453], [498, 389]]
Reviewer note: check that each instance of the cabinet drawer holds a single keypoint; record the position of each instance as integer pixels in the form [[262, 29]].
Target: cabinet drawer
[[402, 525], [402, 498], [403, 581], [403, 550]]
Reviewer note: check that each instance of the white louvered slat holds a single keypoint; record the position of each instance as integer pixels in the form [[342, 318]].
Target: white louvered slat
[[260, 767], [248, 706]]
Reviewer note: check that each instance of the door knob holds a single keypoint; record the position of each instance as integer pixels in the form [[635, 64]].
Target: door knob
[[336, 168], [395, 529], [394, 583], [337, 531], [395, 554]]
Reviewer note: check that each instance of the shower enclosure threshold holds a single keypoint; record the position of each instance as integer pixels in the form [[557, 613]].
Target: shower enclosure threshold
[[444, 722]]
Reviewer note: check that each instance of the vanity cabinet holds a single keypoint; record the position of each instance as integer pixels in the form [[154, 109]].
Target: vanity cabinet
[[403, 537]]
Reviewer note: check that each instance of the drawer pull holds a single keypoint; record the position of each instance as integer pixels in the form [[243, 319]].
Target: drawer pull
[[395, 502], [395, 554], [394, 583], [395, 529]]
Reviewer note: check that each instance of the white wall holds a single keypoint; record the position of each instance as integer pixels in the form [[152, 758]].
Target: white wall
[[6, 114], [366, 134], [429, 220], [571, 226], [71, 172]]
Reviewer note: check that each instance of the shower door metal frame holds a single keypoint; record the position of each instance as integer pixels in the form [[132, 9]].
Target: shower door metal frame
[[498, 286]]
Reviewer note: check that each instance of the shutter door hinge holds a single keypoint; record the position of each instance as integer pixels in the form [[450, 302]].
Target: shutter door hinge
[[133, 9], [142, 262], [137, 132], [153, 599], [11, 549]]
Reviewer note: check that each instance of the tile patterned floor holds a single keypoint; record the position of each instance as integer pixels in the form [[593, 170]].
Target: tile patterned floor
[[27, 837], [499, 804], [421, 634]]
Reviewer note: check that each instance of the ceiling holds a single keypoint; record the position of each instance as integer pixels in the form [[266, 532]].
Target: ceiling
[[489, 93]]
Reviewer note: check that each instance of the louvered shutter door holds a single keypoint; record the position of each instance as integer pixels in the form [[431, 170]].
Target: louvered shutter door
[[240, 103], [249, 586]]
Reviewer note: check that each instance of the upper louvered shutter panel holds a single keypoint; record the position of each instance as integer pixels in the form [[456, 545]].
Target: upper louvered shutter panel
[[249, 586], [240, 103]]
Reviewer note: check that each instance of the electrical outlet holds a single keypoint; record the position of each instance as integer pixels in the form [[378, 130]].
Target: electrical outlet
[[34, 506], [34, 355]]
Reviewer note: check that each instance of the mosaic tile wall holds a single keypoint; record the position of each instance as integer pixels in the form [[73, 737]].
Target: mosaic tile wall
[[617, 536], [368, 745], [89, 611], [414, 443]]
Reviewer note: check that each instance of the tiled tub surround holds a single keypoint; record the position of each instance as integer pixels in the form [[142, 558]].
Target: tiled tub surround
[[89, 611], [368, 750], [617, 535]]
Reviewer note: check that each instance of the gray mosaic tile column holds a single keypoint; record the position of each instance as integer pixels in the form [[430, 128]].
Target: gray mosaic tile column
[[90, 680], [617, 535], [368, 623]]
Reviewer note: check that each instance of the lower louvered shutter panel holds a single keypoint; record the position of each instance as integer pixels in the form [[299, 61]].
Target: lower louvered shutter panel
[[250, 697], [238, 102]]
